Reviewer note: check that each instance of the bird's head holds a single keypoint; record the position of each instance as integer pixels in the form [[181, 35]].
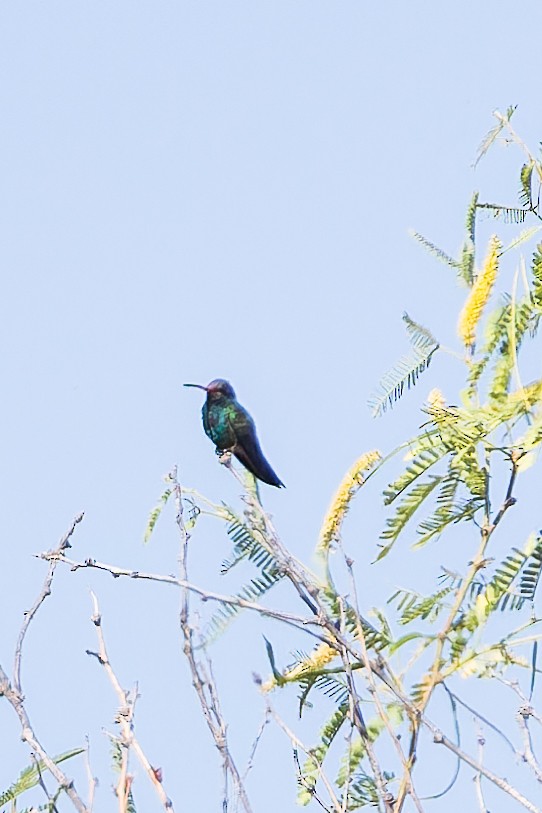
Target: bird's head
[[218, 388]]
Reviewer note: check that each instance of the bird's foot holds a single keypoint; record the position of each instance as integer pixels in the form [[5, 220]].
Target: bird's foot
[[224, 457]]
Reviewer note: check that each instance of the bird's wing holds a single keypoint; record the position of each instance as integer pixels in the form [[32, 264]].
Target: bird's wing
[[247, 448], [205, 419]]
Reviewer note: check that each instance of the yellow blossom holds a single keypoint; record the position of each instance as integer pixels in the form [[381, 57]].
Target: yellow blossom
[[319, 658], [352, 482], [435, 399], [479, 294]]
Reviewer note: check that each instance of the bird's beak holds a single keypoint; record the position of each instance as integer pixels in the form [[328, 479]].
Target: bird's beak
[[199, 386]]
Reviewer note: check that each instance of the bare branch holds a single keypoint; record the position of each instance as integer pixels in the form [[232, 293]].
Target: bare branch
[[203, 680], [528, 756], [14, 694], [45, 591], [206, 595], [406, 785], [125, 719], [298, 745], [478, 774]]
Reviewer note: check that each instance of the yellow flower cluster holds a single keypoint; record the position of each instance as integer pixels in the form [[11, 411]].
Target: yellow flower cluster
[[479, 294], [435, 399], [319, 658], [341, 501]]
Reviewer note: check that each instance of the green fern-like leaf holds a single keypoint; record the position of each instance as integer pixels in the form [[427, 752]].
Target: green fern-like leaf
[[29, 777], [516, 323], [413, 606], [498, 594], [497, 326], [252, 591], [458, 642], [408, 369], [468, 252], [419, 465], [442, 518], [405, 374], [116, 756], [311, 768], [363, 791], [341, 612], [351, 763], [509, 214], [420, 337], [249, 543], [434, 250], [531, 573], [331, 685], [405, 510], [155, 513], [536, 271], [525, 192], [494, 133], [469, 471]]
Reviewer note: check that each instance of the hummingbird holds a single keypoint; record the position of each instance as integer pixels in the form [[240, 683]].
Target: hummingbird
[[231, 429]]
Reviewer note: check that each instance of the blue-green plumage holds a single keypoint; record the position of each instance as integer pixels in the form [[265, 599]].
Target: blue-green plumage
[[231, 428]]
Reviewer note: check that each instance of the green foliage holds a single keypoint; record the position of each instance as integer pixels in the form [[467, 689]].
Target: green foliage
[[531, 573], [116, 757], [155, 513], [408, 369], [463, 468], [419, 465], [311, 769], [329, 684], [342, 612], [363, 790], [413, 606], [495, 132], [30, 777], [405, 510], [525, 192], [248, 543], [536, 270], [252, 591], [468, 252], [509, 214], [434, 250]]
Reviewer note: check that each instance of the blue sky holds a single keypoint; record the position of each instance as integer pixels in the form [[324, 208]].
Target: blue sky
[[203, 189]]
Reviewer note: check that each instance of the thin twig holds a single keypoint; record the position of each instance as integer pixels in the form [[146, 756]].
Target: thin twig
[[384, 796], [303, 782], [56, 554], [125, 717], [297, 744], [92, 781], [528, 756], [202, 680], [477, 564], [255, 744], [478, 774], [406, 784], [206, 595], [14, 694], [41, 781], [441, 739], [514, 685]]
